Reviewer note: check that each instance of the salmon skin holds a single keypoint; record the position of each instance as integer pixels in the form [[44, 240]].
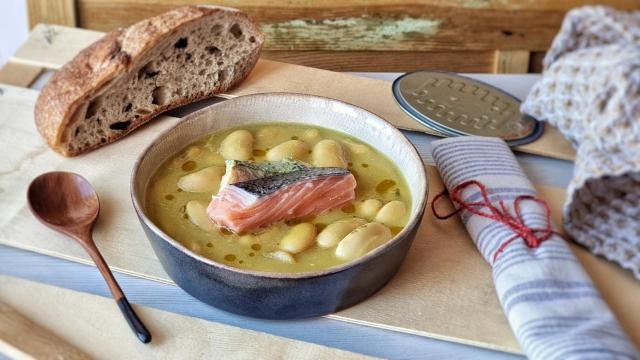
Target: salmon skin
[[238, 171], [280, 191]]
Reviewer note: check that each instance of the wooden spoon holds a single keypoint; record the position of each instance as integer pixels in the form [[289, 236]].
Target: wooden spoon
[[67, 203]]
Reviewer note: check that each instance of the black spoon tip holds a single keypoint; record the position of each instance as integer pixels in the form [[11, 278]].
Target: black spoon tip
[[134, 321]]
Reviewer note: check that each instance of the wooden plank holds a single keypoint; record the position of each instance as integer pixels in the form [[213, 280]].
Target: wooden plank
[[511, 61], [271, 76], [336, 334], [439, 300], [60, 12], [51, 46], [93, 324], [19, 74], [399, 61], [21, 338], [381, 25]]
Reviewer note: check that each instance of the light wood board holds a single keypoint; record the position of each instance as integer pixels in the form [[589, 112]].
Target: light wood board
[[94, 325], [52, 46], [443, 290], [21, 338]]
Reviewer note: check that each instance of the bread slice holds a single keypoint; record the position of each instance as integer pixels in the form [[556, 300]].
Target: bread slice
[[132, 74]]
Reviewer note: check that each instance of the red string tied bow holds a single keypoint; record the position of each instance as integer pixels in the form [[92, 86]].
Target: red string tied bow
[[533, 237]]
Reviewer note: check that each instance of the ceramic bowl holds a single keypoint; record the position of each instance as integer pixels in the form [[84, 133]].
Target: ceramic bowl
[[282, 295]]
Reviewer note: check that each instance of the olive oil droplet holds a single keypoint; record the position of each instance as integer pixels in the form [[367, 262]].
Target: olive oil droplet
[[384, 185], [189, 165], [349, 209]]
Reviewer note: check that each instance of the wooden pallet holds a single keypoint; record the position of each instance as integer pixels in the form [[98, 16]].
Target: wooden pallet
[[439, 289]]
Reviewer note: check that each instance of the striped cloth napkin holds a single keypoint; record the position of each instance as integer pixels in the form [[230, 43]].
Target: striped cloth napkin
[[552, 306]]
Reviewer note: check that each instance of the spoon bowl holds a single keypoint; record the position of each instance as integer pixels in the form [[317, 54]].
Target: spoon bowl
[[63, 199], [67, 203]]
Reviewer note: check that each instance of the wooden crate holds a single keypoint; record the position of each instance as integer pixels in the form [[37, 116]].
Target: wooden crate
[[502, 36]]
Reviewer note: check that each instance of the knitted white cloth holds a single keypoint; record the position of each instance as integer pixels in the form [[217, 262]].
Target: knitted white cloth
[[590, 90]]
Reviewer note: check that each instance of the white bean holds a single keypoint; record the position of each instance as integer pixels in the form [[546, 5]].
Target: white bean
[[205, 180], [329, 153], [368, 208], [299, 238], [361, 240], [195, 247], [282, 256], [197, 213], [192, 152], [270, 136], [237, 146], [212, 158], [247, 239], [356, 148], [332, 234], [294, 149], [392, 214], [311, 135]]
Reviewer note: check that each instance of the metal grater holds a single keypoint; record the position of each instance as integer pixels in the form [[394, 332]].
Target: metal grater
[[455, 105]]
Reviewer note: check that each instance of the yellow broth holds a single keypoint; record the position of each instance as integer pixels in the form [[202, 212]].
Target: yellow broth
[[376, 175]]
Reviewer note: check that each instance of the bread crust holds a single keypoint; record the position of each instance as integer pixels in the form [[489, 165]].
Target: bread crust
[[112, 55]]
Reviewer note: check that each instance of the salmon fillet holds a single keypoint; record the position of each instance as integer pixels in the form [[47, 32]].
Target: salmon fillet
[[247, 205]]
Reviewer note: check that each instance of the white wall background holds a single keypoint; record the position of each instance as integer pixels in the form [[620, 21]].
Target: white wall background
[[13, 27]]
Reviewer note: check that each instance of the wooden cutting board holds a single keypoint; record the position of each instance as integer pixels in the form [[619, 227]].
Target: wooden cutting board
[[93, 324], [443, 290], [50, 47]]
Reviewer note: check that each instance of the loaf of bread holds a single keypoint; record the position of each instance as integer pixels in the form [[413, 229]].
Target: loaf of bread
[[131, 75]]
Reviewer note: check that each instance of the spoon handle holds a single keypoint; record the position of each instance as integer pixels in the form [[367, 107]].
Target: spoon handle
[[127, 310], [134, 321]]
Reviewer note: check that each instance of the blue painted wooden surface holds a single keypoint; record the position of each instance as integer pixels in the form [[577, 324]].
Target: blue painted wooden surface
[[334, 333], [357, 338]]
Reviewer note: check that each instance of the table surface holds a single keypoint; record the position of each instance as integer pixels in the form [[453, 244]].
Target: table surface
[[333, 333]]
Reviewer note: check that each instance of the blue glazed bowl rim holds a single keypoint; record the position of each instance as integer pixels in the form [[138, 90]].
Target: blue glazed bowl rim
[[414, 220]]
